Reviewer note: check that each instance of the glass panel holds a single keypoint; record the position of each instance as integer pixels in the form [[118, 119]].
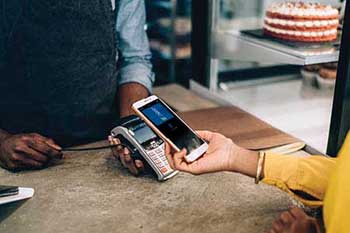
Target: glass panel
[[170, 41], [284, 95]]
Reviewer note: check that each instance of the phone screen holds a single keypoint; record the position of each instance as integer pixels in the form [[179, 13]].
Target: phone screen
[[171, 126]]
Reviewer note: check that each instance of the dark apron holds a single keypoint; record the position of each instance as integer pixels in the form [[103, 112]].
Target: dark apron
[[58, 68]]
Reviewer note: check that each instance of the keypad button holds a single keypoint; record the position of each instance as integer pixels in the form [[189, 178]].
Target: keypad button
[[156, 160], [164, 170], [156, 154], [159, 163]]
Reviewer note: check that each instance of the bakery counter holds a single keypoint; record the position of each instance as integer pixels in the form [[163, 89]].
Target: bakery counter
[[91, 192]]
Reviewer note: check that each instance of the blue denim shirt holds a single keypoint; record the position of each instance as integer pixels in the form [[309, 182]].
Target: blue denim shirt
[[133, 48]]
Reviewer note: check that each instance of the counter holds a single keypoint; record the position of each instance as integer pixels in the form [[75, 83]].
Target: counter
[[91, 192]]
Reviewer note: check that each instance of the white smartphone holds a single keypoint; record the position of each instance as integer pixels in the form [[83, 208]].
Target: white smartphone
[[169, 126]]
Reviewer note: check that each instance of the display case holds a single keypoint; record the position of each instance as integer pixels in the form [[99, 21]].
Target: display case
[[169, 31], [214, 40], [238, 39]]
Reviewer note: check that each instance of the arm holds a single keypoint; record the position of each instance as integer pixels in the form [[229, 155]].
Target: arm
[[128, 94], [135, 77], [295, 175], [337, 200], [304, 178]]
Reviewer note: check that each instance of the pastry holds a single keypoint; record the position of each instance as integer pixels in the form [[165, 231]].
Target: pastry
[[299, 21]]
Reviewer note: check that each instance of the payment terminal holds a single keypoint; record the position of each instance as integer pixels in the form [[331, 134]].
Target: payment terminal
[[144, 144]]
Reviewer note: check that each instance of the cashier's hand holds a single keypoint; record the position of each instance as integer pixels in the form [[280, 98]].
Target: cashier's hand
[[295, 221], [27, 151], [123, 154], [220, 155]]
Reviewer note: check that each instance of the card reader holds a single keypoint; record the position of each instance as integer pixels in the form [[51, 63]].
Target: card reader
[[144, 144]]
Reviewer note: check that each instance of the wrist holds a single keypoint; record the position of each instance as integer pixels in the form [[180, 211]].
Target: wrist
[[125, 112], [235, 158], [129, 93], [243, 161]]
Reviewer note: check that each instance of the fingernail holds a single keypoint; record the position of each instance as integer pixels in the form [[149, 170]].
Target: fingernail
[[126, 151], [138, 163], [57, 147]]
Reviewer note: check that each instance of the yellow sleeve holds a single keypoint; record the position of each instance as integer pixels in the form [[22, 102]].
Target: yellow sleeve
[[299, 175], [337, 200]]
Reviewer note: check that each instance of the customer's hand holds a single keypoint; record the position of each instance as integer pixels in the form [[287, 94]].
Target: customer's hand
[[220, 156], [123, 154], [27, 151], [295, 221]]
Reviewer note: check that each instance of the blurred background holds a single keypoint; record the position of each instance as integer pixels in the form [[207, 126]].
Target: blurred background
[[265, 78]]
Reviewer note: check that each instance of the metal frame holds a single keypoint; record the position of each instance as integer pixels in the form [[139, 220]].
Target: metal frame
[[201, 41], [172, 76], [204, 21], [204, 16], [340, 122], [254, 73]]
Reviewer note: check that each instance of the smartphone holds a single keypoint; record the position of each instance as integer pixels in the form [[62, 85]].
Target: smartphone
[[169, 126]]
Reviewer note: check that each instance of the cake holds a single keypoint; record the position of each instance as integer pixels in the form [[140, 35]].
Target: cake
[[312, 68], [309, 74], [328, 73], [304, 22], [326, 76]]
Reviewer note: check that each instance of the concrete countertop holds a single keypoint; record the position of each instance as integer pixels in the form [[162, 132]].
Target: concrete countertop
[[91, 192]]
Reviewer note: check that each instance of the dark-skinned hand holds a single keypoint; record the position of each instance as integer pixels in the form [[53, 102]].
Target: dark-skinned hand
[[27, 151], [121, 153], [295, 221]]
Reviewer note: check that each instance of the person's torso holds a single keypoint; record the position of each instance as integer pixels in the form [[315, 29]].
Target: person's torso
[[60, 68]]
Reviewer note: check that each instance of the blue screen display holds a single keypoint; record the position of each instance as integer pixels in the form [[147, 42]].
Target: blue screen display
[[158, 114]]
